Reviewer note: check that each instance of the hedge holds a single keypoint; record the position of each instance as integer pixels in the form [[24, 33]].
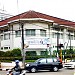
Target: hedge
[[31, 57], [20, 58]]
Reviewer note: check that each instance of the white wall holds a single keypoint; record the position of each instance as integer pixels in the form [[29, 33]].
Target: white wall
[[17, 40]]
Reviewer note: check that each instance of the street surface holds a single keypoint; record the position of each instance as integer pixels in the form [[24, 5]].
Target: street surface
[[60, 72]]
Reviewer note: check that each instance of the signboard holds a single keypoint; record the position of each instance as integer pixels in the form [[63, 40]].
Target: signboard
[[37, 41]]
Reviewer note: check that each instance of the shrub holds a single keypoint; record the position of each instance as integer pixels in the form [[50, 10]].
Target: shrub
[[2, 53], [16, 52]]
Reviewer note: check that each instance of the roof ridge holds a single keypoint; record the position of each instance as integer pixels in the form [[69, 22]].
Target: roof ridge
[[34, 14]]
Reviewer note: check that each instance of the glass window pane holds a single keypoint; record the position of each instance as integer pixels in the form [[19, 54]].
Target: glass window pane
[[43, 32], [55, 60], [33, 32], [30, 32], [1, 48], [5, 30], [6, 36], [43, 61], [18, 33], [5, 47], [49, 60], [1, 37], [43, 53]]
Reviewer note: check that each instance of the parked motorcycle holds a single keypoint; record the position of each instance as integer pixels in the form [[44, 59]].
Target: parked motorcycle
[[12, 72]]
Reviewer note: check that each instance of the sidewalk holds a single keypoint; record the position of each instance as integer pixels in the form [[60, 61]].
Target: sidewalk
[[6, 65]]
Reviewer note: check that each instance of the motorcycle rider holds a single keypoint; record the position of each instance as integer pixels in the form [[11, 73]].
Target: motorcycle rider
[[17, 68]]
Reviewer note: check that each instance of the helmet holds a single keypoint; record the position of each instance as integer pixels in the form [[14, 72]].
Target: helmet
[[16, 61]]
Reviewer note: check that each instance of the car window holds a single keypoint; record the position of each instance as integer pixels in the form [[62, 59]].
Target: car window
[[42, 61], [55, 60], [37, 60], [49, 60]]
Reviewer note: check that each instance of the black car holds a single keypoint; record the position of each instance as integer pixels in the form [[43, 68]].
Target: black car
[[53, 64]]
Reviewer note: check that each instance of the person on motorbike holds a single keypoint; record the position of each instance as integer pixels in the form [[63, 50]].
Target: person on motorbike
[[16, 68]]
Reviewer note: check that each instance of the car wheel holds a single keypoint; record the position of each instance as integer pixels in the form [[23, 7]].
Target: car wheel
[[33, 69], [55, 69]]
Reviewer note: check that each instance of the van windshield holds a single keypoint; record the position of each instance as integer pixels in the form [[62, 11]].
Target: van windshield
[[37, 60]]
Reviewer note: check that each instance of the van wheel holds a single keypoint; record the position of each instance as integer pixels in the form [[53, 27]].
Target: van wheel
[[55, 69], [33, 70]]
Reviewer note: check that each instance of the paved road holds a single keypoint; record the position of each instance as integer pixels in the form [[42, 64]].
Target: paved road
[[61, 72]]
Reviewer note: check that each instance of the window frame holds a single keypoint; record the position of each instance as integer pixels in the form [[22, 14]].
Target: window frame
[[5, 36], [43, 32], [30, 32], [18, 33]]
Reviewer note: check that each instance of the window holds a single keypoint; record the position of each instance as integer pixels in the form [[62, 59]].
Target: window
[[49, 60], [6, 36], [70, 37], [30, 32], [55, 60], [43, 61], [1, 48], [1, 31], [31, 53], [43, 53], [1, 37], [5, 47], [62, 29], [43, 32], [56, 29], [70, 31], [54, 35], [61, 36], [18, 33], [6, 30]]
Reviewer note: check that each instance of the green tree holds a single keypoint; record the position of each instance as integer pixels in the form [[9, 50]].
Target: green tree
[[16, 52], [2, 53], [7, 54]]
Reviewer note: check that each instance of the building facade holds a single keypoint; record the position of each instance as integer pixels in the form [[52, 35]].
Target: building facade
[[40, 30]]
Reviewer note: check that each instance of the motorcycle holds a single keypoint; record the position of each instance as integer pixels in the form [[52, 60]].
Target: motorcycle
[[12, 72]]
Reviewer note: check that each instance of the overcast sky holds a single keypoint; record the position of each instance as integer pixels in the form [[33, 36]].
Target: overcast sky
[[64, 9]]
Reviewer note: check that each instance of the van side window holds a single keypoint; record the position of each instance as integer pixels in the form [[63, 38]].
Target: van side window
[[43, 61], [55, 60], [49, 60]]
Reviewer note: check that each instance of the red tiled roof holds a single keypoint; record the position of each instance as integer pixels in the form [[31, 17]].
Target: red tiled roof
[[33, 14]]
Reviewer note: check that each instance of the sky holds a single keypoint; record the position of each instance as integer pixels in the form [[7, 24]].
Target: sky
[[64, 9]]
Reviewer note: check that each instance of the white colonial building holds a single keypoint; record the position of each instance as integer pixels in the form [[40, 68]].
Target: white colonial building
[[39, 31]]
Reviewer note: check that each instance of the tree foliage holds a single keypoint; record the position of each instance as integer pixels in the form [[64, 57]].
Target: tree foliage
[[16, 52], [12, 53]]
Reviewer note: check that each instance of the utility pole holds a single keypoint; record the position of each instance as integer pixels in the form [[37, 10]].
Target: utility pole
[[48, 45], [23, 52]]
